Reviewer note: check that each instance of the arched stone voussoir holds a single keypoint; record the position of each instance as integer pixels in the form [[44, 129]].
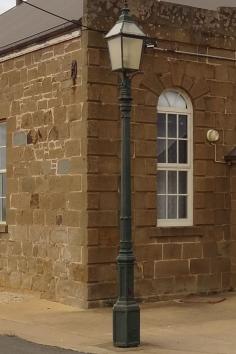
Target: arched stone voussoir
[[177, 70], [199, 89], [166, 80], [156, 83], [152, 83], [187, 83]]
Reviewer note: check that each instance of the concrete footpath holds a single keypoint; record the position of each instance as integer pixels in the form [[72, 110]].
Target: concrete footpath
[[167, 328]]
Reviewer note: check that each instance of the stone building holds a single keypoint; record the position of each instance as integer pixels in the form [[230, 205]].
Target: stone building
[[61, 139]]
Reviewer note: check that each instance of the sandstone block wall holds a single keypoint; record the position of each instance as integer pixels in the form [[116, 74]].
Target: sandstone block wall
[[170, 261], [45, 247], [63, 161]]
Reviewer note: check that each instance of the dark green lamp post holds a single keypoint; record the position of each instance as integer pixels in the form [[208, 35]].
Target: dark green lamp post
[[125, 42]]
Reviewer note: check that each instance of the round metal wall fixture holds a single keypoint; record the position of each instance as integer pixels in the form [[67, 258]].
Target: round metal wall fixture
[[213, 136]]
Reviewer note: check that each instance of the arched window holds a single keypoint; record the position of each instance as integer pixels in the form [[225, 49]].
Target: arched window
[[175, 160]]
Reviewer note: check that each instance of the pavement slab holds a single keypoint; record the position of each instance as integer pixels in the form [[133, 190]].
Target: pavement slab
[[166, 328]]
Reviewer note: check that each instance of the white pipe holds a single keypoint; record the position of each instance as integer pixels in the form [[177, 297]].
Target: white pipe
[[209, 56]]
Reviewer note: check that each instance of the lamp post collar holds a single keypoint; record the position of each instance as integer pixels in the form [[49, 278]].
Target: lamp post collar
[[125, 16]]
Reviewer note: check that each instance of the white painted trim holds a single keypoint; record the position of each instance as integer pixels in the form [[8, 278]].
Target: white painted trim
[[35, 47], [174, 223], [172, 110], [178, 167]]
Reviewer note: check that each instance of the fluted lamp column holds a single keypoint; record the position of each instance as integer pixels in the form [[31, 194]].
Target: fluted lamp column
[[125, 43]]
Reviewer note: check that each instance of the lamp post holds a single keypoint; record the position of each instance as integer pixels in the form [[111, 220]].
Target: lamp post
[[125, 43]]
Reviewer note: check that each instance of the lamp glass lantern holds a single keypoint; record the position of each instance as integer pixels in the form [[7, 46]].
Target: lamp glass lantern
[[125, 43]]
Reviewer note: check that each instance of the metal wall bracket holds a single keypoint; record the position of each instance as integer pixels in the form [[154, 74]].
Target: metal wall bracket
[[74, 71]]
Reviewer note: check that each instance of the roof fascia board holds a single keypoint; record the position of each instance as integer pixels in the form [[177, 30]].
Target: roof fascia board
[[34, 48]]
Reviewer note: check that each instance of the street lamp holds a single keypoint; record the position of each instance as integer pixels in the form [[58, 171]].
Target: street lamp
[[125, 43]]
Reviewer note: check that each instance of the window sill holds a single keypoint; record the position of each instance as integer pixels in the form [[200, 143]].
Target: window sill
[[3, 228], [180, 231]]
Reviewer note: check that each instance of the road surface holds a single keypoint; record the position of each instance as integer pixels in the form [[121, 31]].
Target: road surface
[[14, 345]]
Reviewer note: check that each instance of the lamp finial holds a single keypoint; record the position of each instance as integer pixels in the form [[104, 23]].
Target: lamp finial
[[125, 4]]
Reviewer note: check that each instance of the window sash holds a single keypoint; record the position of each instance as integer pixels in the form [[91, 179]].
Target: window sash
[[188, 221], [189, 139]]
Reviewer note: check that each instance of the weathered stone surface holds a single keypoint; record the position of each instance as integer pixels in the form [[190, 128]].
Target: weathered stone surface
[[63, 167], [169, 260], [19, 138], [63, 160], [37, 253]]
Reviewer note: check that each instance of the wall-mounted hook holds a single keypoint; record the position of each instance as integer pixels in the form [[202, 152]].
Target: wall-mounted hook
[[74, 71]]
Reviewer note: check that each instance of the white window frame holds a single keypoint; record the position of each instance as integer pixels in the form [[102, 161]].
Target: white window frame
[[180, 167], [3, 172]]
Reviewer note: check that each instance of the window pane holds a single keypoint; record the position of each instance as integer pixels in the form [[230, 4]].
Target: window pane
[[172, 151], [161, 206], [172, 126], [161, 150], [181, 103], [172, 99], [132, 49], [1, 209], [163, 101], [183, 127], [182, 207], [115, 50], [2, 185], [2, 158], [161, 182], [4, 209], [3, 134], [183, 153], [183, 182], [172, 182], [161, 125], [172, 207]]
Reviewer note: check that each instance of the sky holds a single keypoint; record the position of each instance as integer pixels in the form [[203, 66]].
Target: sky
[[6, 4]]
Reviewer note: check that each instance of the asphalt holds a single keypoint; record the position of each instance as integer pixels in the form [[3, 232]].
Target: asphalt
[[199, 327], [14, 345]]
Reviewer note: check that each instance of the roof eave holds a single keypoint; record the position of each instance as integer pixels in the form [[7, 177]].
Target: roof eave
[[38, 38]]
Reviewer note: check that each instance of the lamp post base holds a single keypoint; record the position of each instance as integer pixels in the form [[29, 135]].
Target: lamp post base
[[126, 324]]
